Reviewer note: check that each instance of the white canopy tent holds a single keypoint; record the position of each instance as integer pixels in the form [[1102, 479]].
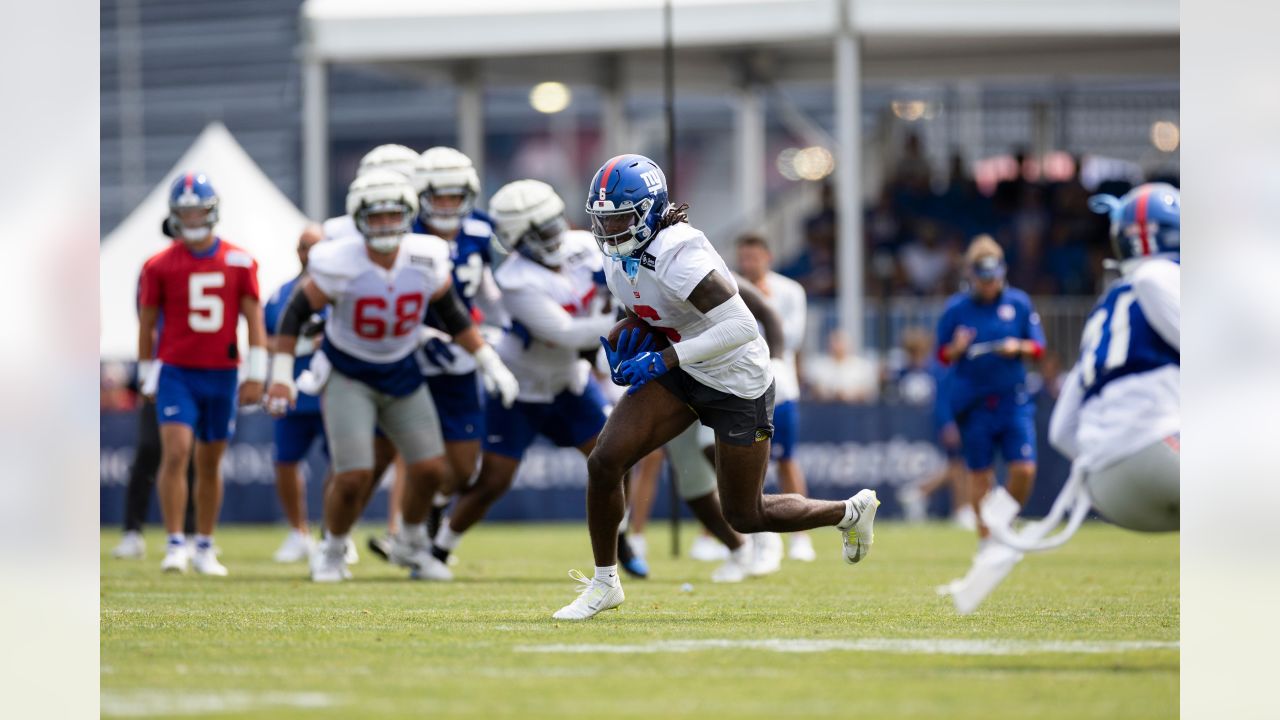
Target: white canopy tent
[[253, 214]]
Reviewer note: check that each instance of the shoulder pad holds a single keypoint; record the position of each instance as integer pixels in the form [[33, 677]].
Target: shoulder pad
[[238, 258], [476, 227]]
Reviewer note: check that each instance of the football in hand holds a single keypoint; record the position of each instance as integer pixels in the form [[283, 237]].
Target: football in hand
[[660, 341]]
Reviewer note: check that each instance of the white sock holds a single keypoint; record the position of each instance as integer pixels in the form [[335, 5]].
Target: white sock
[[415, 533], [177, 539], [441, 500], [446, 538], [607, 575], [204, 542], [850, 514], [336, 538]]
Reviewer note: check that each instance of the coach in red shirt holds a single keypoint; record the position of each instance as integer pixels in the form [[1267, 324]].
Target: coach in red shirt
[[201, 285]]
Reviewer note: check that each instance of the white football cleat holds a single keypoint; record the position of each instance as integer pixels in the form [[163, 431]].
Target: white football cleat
[[296, 548], [430, 568], [594, 597], [766, 553], [176, 559], [738, 565], [418, 558], [858, 534], [708, 549], [131, 547], [352, 557], [801, 548], [328, 562], [205, 562]]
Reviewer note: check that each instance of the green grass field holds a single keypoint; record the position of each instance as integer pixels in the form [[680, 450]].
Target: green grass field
[[265, 642]]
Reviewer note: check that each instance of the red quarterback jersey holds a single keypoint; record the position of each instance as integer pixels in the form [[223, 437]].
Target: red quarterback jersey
[[199, 298]]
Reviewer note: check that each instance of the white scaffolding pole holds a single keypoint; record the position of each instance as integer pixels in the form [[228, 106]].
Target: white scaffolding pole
[[315, 138], [749, 143], [849, 250], [471, 118]]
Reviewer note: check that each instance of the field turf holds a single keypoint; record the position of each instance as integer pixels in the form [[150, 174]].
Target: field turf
[[869, 641]]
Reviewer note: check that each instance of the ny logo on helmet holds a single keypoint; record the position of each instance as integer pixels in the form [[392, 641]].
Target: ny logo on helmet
[[652, 180]]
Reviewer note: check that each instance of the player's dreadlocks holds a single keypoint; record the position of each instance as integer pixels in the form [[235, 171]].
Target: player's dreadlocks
[[677, 214]]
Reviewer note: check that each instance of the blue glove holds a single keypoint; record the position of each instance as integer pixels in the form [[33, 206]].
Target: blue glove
[[641, 369], [437, 351], [629, 345]]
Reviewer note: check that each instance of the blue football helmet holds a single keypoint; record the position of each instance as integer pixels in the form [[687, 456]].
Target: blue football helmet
[[1145, 222], [193, 191], [626, 201]]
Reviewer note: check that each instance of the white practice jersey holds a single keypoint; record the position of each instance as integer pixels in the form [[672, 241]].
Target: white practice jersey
[[564, 314], [671, 266], [787, 298], [377, 313], [1124, 392]]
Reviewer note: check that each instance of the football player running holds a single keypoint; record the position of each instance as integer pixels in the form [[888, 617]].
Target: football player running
[[717, 370], [448, 186], [379, 285], [550, 286], [201, 285], [1119, 416]]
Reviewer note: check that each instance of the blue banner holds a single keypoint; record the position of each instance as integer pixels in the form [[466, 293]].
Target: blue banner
[[842, 449]]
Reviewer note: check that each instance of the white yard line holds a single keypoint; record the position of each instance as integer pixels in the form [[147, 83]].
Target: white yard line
[[924, 646], [157, 703]]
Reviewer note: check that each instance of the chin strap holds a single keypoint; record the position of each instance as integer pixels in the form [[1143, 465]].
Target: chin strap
[[999, 509]]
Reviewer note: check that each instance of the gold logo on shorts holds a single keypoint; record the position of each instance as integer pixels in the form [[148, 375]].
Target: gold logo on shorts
[[762, 435]]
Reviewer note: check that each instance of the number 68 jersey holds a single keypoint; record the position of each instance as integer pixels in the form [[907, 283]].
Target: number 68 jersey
[[668, 270], [376, 311], [198, 296]]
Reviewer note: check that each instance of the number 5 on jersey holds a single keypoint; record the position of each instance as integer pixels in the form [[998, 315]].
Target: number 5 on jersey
[[207, 310], [371, 321]]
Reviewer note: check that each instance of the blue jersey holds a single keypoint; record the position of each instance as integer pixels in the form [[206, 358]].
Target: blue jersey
[[1118, 340], [981, 375], [306, 404], [469, 252]]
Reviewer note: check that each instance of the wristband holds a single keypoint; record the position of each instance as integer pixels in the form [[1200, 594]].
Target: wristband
[[282, 370], [256, 370]]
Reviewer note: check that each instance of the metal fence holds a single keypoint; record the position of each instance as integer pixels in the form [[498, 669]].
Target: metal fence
[[884, 321]]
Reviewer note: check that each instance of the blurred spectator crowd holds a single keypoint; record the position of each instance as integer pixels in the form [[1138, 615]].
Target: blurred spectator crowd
[[916, 231]]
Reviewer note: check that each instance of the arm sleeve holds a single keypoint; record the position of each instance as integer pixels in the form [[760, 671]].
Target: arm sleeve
[[550, 323], [733, 326], [1064, 424], [1157, 287]]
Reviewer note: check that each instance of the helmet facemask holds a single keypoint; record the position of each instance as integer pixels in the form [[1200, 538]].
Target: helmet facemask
[[381, 235], [435, 216], [620, 231], [194, 234], [544, 243]]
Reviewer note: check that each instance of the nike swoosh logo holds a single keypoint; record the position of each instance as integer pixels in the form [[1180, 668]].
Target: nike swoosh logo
[[739, 434], [171, 410]]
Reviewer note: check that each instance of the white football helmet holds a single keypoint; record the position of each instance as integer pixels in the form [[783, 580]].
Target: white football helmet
[[446, 171], [391, 157], [382, 191], [528, 218]]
